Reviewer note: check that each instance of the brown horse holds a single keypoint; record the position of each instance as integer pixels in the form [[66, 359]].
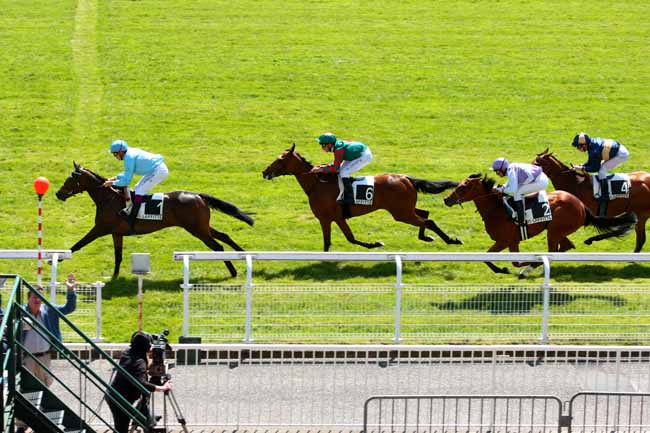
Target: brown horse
[[569, 214], [395, 193], [580, 185], [188, 210]]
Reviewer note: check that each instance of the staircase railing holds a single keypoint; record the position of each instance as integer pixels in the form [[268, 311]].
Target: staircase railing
[[14, 350]]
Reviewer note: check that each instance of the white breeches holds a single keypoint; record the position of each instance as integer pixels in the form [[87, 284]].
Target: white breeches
[[349, 167], [147, 182], [611, 164], [538, 184]]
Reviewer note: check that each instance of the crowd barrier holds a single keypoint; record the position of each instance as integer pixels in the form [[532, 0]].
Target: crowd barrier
[[401, 312]]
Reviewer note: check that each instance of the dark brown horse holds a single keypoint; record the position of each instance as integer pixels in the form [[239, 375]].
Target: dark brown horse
[[569, 214], [395, 193], [580, 185], [188, 210]]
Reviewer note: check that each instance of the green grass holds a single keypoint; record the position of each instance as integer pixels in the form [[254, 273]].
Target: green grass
[[438, 90]]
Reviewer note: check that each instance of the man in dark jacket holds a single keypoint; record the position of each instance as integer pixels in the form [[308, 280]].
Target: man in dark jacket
[[133, 361]]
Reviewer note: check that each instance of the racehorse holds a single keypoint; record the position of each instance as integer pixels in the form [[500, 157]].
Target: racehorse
[[188, 210], [568, 213], [395, 193], [580, 185]]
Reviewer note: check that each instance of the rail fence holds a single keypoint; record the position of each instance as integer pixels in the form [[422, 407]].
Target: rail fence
[[402, 312], [325, 386]]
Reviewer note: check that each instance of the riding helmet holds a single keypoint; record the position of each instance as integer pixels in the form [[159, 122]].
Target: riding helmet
[[118, 145], [581, 139], [500, 164], [326, 138]]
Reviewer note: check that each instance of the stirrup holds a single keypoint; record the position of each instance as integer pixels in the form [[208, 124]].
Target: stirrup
[[127, 210]]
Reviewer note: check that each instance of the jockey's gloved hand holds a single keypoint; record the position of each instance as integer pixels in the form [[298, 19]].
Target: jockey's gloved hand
[[499, 188]]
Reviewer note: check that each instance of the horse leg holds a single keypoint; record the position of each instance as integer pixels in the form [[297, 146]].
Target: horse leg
[[566, 245], [93, 234], [117, 246], [223, 237], [326, 227], [345, 228], [417, 219], [424, 214], [207, 239], [640, 234], [430, 224], [493, 249]]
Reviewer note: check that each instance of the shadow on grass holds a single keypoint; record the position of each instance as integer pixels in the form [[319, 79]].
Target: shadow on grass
[[519, 302], [326, 271], [128, 286], [598, 273]]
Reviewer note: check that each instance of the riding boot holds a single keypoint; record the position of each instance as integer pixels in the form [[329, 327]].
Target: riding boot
[[348, 197], [127, 209], [519, 208], [132, 216], [604, 197]]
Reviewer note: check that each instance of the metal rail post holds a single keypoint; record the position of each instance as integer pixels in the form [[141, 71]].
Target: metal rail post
[[249, 297], [186, 295], [546, 286], [398, 299], [98, 310], [55, 265]]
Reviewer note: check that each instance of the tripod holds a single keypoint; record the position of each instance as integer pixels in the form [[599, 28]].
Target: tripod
[[168, 396]]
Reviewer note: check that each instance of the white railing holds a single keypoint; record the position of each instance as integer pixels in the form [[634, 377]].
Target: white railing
[[401, 290], [53, 255]]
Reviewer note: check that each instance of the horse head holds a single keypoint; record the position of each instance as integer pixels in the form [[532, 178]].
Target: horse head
[[289, 162], [550, 164], [80, 180], [475, 186]]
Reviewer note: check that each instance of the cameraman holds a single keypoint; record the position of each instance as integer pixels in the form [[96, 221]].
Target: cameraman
[[134, 361]]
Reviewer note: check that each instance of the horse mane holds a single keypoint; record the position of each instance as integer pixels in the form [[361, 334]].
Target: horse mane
[[99, 177], [488, 182], [304, 160]]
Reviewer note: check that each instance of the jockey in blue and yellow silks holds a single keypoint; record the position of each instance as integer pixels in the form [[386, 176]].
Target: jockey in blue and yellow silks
[[349, 157], [604, 154], [150, 166]]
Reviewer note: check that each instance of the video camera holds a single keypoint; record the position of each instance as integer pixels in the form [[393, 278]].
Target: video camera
[[160, 351]]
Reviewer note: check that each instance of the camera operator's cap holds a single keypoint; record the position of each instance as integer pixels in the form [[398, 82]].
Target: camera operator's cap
[[141, 341]]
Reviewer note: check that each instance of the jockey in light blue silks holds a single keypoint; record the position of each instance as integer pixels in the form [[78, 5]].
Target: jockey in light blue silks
[[522, 179], [150, 166], [604, 154]]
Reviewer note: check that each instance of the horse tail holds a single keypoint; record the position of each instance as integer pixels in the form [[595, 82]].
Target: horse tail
[[227, 208], [431, 186], [616, 226]]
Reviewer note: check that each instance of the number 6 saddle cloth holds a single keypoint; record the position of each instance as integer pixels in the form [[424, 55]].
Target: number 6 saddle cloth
[[536, 208], [619, 185], [363, 189]]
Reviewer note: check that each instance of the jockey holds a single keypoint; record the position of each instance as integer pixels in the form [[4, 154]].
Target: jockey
[[604, 155], [136, 161], [522, 179], [349, 157]]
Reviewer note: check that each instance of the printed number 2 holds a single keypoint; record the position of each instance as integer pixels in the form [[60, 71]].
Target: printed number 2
[[547, 209], [370, 192]]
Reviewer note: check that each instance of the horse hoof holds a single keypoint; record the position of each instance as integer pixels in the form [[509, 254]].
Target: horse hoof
[[505, 270], [521, 275], [457, 241], [588, 242], [378, 244], [427, 238]]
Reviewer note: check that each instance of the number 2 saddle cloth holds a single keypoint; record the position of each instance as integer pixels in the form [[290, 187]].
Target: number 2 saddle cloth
[[363, 189], [619, 185], [536, 208]]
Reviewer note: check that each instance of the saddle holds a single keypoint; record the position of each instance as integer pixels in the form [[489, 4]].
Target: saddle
[[151, 207], [536, 208], [363, 190]]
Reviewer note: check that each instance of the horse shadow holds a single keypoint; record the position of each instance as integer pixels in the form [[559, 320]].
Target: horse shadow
[[325, 271], [128, 287], [520, 302], [598, 273]]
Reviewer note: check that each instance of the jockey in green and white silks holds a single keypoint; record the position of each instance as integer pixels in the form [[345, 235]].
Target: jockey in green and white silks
[[522, 179], [349, 157], [150, 166]]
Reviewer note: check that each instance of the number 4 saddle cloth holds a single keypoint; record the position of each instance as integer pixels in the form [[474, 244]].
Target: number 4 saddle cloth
[[363, 189], [619, 185], [536, 208]]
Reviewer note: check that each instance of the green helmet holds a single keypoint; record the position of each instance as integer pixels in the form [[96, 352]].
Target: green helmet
[[326, 138]]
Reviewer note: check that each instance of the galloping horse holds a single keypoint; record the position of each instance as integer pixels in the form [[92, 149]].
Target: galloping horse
[[568, 179], [188, 210], [395, 193], [569, 214]]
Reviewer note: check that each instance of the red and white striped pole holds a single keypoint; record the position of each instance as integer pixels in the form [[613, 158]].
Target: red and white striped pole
[[41, 185]]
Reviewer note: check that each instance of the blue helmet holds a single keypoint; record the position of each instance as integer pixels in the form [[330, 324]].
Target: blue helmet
[[581, 139], [118, 145], [500, 164], [326, 138]]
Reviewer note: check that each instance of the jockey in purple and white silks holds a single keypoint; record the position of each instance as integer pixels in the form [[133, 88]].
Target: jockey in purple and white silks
[[522, 179]]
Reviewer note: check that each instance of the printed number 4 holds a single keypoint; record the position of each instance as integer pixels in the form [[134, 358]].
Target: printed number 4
[[624, 188]]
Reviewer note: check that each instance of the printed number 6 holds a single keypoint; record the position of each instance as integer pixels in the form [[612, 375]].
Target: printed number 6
[[370, 192]]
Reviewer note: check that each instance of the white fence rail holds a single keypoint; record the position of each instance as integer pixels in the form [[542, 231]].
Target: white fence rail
[[399, 312], [53, 255], [252, 385]]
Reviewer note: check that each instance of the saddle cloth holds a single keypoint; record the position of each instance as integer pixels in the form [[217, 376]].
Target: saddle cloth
[[536, 208], [619, 185], [363, 189], [152, 207]]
